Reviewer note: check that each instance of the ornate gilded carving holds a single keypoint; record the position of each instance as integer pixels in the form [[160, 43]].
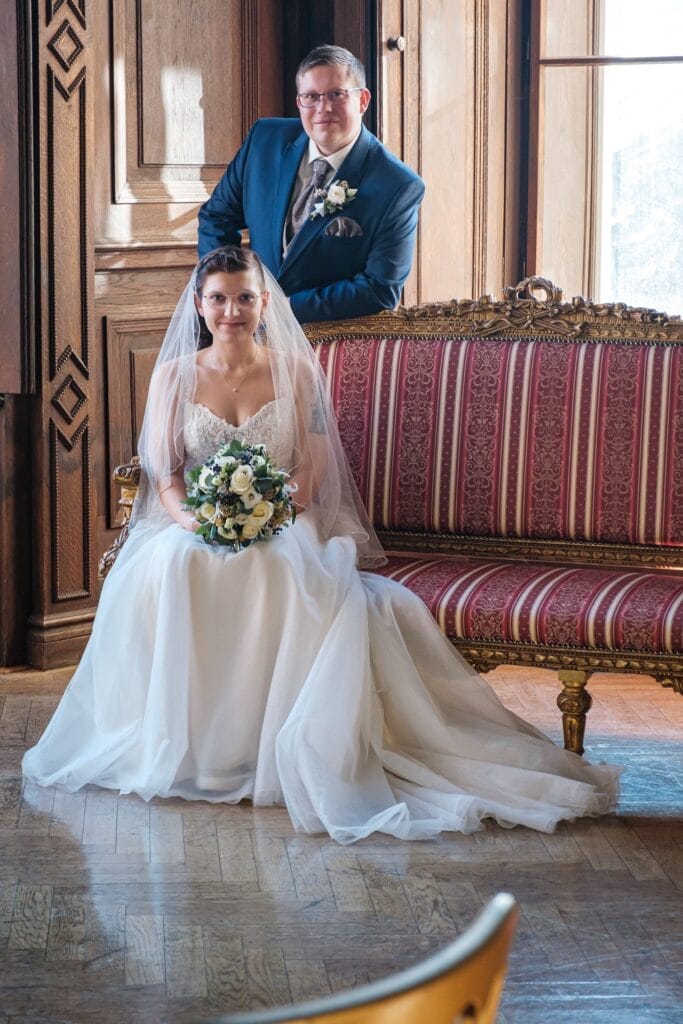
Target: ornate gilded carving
[[110, 555], [574, 702], [588, 552], [580, 319], [666, 668], [128, 478]]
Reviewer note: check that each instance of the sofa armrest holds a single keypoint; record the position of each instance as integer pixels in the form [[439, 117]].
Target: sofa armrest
[[128, 479]]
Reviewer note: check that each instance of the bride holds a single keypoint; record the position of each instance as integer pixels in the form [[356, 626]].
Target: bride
[[281, 673]]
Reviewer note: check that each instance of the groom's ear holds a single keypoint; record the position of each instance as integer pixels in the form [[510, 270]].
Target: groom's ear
[[365, 97]]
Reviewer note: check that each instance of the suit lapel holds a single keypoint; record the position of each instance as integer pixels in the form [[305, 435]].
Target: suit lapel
[[351, 170], [289, 165]]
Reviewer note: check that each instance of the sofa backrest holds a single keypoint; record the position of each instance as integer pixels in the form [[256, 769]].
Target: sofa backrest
[[515, 436]]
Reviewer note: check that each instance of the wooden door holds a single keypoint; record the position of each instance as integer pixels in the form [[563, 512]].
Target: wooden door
[[449, 105]]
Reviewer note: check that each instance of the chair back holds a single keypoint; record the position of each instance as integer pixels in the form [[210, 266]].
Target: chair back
[[460, 984]]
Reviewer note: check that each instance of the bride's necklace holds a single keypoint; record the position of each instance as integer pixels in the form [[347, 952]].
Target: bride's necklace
[[242, 379]]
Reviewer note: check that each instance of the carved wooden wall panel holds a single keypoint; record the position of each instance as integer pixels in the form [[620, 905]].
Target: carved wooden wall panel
[[132, 346], [12, 379], [64, 411], [175, 125], [182, 81], [134, 305]]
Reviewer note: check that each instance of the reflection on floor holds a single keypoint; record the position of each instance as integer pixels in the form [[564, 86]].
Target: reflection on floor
[[116, 911]]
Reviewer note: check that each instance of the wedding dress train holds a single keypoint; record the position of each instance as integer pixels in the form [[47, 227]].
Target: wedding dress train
[[282, 674]]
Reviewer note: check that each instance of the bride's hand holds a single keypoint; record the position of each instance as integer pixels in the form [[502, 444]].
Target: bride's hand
[[188, 521]]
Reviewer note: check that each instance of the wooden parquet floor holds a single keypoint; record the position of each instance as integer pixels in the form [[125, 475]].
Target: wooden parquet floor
[[117, 911]]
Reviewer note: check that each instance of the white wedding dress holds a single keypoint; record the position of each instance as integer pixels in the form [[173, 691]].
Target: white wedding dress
[[284, 675]]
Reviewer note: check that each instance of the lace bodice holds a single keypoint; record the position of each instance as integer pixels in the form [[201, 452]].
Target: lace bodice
[[204, 431]]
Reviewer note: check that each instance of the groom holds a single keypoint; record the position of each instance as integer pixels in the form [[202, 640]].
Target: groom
[[337, 251]]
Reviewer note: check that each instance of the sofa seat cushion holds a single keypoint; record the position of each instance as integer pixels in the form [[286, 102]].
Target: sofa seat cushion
[[555, 605]]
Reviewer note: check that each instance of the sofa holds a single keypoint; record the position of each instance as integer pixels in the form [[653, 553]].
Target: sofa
[[522, 462]]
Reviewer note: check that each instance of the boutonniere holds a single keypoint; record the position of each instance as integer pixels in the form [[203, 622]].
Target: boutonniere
[[333, 198]]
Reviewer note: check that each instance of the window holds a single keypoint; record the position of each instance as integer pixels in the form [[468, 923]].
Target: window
[[606, 183]]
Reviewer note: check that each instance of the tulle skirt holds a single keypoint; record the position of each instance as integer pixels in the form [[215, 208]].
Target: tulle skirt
[[283, 675]]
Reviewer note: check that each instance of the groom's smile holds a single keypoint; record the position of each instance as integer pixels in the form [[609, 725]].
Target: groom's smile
[[332, 123]]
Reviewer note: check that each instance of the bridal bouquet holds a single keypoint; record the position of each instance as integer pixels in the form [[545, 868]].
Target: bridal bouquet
[[238, 496]]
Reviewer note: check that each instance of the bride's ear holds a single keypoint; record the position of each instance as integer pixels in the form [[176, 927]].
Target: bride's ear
[[265, 298], [198, 305]]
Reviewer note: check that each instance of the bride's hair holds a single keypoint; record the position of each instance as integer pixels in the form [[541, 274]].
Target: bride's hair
[[229, 259]]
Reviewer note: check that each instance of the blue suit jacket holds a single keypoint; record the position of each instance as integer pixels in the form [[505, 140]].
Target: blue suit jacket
[[327, 277]]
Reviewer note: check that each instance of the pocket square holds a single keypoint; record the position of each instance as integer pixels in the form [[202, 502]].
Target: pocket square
[[344, 227]]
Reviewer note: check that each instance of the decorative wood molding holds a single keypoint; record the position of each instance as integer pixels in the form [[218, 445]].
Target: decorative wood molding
[[645, 556], [131, 345], [57, 639], [480, 213], [71, 514], [250, 64], [139, 178], [14, 339], [667, 669], [516, 315], [144, 257], [63, 500]]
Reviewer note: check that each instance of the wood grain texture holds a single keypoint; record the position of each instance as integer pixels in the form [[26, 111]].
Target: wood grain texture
[[115, 910]]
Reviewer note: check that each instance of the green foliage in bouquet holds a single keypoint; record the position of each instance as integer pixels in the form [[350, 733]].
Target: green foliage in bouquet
[[238, 496]]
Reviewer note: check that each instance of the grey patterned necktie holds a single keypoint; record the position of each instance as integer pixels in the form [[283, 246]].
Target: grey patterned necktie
[[303, 206]]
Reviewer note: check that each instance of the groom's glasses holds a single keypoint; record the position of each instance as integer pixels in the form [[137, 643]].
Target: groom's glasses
[[245, 300], [333, 96]]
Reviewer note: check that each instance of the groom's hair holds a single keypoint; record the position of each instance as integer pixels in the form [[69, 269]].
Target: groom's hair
[[333, 55]]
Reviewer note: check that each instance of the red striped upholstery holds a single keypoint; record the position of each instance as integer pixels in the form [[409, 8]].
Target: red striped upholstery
[[519, 438], [602, 608]]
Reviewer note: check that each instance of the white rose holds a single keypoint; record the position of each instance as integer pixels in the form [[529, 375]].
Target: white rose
[[250, 497], [227, 460], [227, 533], [259, 462], [250, 531], [240, 481], [241, 519], [261, 512], [336, 195], [205, 478], [319, 210], [207, 510]]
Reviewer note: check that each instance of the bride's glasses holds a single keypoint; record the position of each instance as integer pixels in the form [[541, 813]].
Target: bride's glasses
[[245, 300], [333, 96]]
